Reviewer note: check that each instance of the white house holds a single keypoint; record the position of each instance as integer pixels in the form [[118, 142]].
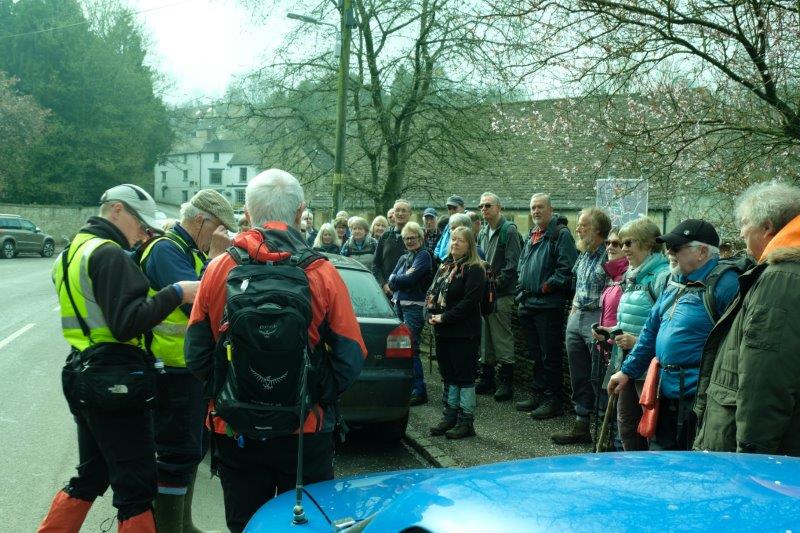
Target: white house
[[205, 162]]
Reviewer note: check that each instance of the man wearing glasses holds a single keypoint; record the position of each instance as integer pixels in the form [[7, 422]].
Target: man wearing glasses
[[107, 295], [501, 242], [676, 331]]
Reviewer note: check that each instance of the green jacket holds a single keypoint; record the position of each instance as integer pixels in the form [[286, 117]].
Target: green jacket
[[749, 390]]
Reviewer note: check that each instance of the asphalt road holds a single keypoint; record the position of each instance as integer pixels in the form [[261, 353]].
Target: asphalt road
[[37, 435]]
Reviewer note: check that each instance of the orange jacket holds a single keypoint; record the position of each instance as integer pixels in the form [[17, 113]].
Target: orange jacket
[[333, 320]]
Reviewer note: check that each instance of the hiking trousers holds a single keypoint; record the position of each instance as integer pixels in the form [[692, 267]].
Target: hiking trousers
[[543, 330], [255, 473], [117, 449]]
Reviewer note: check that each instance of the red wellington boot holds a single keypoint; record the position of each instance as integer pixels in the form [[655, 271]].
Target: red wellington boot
[[66, 514], [141, 523]]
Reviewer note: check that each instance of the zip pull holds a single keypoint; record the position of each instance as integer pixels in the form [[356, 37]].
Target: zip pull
[[229, 350], [245, 283]]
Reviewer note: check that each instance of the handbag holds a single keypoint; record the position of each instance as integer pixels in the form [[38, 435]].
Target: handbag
[[650, 400], [107, 376]]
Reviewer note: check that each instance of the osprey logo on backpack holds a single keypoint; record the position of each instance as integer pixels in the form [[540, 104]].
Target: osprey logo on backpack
[[268, 330], [267, 382]]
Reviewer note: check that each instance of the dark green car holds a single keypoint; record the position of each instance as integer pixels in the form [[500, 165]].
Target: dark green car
[[20, 235]]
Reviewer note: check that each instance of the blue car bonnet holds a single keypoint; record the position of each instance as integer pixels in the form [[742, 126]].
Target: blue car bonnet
[[644, 491]]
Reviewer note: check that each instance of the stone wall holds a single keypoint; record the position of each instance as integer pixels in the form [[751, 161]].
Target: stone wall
[[56, 220]]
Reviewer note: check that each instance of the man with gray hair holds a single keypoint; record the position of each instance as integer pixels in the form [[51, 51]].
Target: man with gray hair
[[501, 242], [748, 396], [253, 470], [677, 329], [181, 255]]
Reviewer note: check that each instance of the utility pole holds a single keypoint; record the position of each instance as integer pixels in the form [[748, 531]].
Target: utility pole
[[348, 22]]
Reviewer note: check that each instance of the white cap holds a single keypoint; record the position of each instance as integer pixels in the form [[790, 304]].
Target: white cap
[[137, 199]]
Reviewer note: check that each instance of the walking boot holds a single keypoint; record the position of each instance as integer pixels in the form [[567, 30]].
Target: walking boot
[[66, 514], [549, 408], [445, 424], [579, 434], [463, 428], [505, 391], [141, 523], [418, 399], [168, 509], [530, 404], [485, 384]]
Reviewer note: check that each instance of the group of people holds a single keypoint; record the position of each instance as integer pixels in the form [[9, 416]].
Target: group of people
[[695, 350]]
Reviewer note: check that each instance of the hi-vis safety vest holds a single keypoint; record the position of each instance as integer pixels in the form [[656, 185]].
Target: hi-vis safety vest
[[79, 253], [168, 336]]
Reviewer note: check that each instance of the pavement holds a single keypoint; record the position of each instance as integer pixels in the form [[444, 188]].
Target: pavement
[[502, 432]]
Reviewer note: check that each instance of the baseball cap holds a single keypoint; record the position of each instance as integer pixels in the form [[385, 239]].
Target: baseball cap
[[689, 230], [429, 212], [215, 204], [137, 200], [455, 200]]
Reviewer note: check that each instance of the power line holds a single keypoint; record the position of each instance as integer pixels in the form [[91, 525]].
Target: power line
[[85, 22]]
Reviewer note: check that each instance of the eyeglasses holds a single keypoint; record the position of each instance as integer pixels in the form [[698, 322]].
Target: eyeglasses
[[613, 244], [485, 206], [142, 226], [679, 247], [629, 242], [410, 238]]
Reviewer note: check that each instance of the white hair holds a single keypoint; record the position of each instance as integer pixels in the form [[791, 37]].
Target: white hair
[[273, 195], [189, 211], [713, 251], [770, 201], [458, 220], [545, 196]]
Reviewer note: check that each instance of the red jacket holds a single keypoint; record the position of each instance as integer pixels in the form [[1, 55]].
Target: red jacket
[[333, 320]]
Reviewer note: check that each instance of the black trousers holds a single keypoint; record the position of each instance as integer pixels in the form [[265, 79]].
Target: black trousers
[[116, 449], [675, 430], [255, 473], [458, 359], [179, 426], [543, 330]]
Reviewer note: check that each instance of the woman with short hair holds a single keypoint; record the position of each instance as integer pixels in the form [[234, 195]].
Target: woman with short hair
[[409, 281], [453, 304], [326, 240], [360, 246]]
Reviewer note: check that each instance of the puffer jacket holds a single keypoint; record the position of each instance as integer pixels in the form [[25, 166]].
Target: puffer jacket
[[749, 391], [545, 268]]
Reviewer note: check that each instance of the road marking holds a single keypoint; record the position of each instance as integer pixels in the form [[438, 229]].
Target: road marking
[[15, 335]]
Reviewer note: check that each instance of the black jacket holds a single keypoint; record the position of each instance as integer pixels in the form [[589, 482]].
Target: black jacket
[[461, 316], [502, 257], [120, 287], [390, 248]]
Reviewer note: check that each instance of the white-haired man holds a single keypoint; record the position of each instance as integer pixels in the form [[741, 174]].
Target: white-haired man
[[748, 398], [252, 470], [677, 329]]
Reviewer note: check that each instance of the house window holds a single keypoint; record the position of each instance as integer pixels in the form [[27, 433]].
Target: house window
[[185, 175], [215, 176], [185, 196], [239, 196], [184, 158], [216, 157], [163, 175], [243, 174]]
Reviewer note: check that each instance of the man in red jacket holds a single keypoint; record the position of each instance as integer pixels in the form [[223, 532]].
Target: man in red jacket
[[251, 471]]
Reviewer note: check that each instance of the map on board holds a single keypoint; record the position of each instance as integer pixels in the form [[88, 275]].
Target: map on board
[[623, 199]]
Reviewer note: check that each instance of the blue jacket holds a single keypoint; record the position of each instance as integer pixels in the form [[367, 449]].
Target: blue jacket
[[676, 331], [638, 293], [443, 246], [411, 287]]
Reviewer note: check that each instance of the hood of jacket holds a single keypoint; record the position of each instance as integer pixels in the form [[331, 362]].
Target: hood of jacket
[[288, 239], [616, 267], [785, 246]]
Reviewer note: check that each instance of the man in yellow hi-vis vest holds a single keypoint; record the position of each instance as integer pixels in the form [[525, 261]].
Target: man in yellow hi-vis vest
[[104, 301], [181, 255]]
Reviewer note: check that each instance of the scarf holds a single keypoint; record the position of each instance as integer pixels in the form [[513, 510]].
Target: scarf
[[450, 269]]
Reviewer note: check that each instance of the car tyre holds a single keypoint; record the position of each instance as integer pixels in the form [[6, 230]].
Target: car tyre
[[8, 250], [48, 249], [391, 431]]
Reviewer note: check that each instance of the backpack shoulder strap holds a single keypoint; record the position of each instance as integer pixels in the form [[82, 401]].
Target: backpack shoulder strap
[[239, 255], [657, 285], [740, 264]]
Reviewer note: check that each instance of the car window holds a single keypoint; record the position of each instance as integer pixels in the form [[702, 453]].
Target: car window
[[368, 300], [12, 223], [27, 225]]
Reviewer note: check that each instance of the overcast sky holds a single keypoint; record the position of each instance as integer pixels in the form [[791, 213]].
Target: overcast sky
[[201, 44]]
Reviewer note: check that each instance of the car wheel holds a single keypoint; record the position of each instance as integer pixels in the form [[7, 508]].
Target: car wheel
[[391, 431], [47, 249], [9, 250]]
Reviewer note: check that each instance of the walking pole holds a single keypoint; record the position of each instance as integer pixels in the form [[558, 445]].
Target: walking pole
[[607, 420], [298, 513]]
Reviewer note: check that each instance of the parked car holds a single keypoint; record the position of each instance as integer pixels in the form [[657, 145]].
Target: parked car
[[634, 491], [379, 397], [20, 235]]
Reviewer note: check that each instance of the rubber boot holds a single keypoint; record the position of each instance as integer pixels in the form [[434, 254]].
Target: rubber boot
[[463, 428], [169, 512], [485, 384], [188, 525], [579, 434], [505, 391], [66, 514], [141, 523]]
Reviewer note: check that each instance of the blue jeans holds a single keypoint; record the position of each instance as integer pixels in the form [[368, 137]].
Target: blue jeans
[[411, 315]]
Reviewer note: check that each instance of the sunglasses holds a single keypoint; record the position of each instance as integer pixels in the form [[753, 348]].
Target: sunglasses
[[485, 206], [679, 247], [629, 242], [613, 244]]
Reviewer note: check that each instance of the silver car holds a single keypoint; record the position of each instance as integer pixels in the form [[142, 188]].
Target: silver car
[[20, 235]]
